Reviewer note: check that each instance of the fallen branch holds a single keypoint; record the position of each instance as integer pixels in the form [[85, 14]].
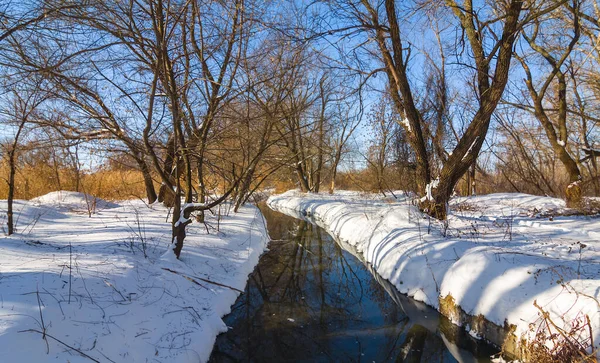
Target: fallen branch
[[191, 278], [61, 342], [37, 292]]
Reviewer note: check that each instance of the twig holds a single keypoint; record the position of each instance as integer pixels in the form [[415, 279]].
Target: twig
[[202, 279], [589, 324], [186, 277], [580, 348], [37, 292], [70, 269], [58, 301], [114, 288], [61, 342]]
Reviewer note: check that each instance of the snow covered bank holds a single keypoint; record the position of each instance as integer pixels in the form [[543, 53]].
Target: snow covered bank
[[73, 202], [494, 259], [86, 283]]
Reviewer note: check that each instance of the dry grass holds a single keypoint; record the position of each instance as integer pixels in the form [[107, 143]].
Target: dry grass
[[31, 182], [574, 344], [466, 207]]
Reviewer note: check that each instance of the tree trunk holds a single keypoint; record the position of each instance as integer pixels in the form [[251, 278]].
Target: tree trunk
[[179, 223], [557, 135], [148, 182], [163, 192], [201, 187], [333, 174], [466, 151], [317, 180], [244, 188], [11, 178], [304, 186], [11, 191]]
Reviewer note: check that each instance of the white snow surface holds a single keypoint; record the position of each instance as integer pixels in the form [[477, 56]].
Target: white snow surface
[[123, 307], [497, 256], [73, 201]]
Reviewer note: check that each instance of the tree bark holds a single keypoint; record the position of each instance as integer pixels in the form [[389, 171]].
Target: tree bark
[[12, 161], [148, 182]]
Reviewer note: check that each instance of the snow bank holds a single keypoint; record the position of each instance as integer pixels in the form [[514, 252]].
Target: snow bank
[[99, 295], [494, 258], [72, 201]]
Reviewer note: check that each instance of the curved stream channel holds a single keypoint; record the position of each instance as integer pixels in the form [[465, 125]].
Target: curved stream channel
[[311, 299]]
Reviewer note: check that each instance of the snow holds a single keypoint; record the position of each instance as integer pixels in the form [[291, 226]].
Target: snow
[[470, 149], [72, 201], [429, 190], [406, 124], [193, 205], [561, 143], [497, 256], [123, 306], [182, 219]]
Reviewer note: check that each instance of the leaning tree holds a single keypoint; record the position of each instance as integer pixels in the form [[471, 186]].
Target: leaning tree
[[483, 35]]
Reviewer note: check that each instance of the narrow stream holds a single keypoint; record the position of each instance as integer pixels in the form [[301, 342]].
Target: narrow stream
[[311, 300]]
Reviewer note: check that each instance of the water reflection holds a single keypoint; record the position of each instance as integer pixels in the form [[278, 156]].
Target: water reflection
[[310, 300]]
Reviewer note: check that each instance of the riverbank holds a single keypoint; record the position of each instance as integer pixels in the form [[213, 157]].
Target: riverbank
[[502, 260], [312, 299], [102, 288]]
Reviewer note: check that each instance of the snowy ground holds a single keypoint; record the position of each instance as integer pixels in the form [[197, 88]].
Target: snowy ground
[[86, 283], [497, 255]]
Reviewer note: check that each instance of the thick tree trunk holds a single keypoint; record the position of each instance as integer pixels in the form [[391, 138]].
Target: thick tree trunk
[[164, 193], [468, 147], [463, 156], [148, 182], [402, 96], [244, 188], [179, 222], [304, 186], [181, 218]]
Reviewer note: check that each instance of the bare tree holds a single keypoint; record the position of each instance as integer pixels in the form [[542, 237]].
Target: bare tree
[[187, 56], [490, 41], [345, 122], [29, 13], [556, 54], [19, 112]]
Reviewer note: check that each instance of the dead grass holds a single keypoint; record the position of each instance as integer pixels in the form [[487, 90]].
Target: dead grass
[[553, 344], [31, 182], [466, 207]]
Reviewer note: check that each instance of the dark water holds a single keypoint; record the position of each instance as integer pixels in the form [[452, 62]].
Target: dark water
[[309, 300]]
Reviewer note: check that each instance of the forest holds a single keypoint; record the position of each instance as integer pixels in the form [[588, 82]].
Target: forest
[[168, 120]]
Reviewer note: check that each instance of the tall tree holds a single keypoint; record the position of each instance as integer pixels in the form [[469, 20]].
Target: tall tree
[[545, 37], [17, 115], [489, 31]]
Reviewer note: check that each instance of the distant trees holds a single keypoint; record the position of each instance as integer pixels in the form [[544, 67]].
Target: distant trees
[[346, 119], [210, 100], [384, 132]]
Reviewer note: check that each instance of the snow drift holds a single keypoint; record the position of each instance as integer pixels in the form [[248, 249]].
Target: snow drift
[[102, 287], [73, 201]]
